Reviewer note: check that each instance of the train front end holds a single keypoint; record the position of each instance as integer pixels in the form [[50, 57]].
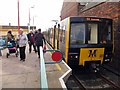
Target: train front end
[[90, 41]]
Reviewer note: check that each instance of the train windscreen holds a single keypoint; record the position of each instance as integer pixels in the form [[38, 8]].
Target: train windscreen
[[77, 35]]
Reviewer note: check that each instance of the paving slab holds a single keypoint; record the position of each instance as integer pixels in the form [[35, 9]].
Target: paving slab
[[19, 74]]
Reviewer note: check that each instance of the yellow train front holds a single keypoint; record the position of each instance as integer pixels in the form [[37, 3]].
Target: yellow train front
[[83, 40]]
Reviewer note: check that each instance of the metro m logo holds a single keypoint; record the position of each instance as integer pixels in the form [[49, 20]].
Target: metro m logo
[[92, 53]]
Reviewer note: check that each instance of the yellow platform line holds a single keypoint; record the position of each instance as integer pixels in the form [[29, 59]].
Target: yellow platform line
[[58, 67]]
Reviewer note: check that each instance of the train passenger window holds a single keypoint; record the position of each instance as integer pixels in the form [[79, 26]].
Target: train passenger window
[[77, 35], [92, 33]]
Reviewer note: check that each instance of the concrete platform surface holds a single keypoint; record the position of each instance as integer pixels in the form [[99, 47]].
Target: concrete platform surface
[[18, 74]]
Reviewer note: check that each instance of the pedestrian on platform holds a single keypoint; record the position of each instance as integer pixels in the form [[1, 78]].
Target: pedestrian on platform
[[31, 41], [35, 32], [39, 38], [10, 36], [22, 42]]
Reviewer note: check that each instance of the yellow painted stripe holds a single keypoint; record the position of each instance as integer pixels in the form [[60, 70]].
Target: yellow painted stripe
[[58, 67]]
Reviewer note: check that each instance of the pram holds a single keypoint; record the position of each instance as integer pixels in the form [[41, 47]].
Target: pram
[[12, 48]]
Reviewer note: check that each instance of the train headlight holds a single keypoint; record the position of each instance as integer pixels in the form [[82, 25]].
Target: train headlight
[[106, 55], [106, 60], [71, 56], [76, 56]]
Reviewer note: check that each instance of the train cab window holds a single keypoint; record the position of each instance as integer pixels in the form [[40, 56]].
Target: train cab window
[[92, 33], [77, 35], [105, 34]]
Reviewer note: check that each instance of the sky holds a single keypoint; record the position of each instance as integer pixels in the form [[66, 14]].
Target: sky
[[44, 12]]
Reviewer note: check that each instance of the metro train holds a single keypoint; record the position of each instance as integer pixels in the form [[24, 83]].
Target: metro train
[[84, 41]]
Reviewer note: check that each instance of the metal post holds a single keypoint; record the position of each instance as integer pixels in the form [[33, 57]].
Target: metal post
[[58, 36], [29, 21], [54, 37], [30, 17]]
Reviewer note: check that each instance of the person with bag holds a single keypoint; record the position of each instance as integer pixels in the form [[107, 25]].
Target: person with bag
[[39, 38], [31, 41], [22, 42]]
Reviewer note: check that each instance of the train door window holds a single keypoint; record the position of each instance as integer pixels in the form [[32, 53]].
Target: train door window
[[63, 39], [92, 33], [62, 34], [77, 35]]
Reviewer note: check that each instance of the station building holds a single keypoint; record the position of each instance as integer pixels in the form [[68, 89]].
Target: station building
[[4, 29]]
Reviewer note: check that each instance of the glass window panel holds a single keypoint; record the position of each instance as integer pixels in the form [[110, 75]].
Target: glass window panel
[[92, 33], [106, 33], [77, 35]]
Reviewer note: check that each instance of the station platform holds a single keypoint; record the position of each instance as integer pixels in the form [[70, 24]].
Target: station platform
[[18, 74]]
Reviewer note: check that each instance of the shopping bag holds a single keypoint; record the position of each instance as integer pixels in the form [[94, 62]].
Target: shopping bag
[[44, 48]]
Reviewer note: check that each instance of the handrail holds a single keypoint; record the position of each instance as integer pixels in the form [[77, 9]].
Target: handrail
[[44, 84]]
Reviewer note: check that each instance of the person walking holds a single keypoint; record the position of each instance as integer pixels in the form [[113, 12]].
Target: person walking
[[39, 38], [31, 41], [22, 41]]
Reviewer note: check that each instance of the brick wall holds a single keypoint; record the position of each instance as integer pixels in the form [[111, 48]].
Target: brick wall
[[69, 9]]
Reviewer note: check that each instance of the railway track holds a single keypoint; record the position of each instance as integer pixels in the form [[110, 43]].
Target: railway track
[[110, 75], [113, 84], [110, 68], [90, 82]]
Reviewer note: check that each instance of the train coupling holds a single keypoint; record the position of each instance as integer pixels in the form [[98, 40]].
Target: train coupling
[[94, 67]]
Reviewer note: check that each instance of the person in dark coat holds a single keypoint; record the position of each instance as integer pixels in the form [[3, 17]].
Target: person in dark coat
[[39, 38], [31, 41]]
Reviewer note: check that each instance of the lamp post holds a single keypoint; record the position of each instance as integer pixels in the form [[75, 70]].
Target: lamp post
[[56, 21], [29, 18], [34, 21]]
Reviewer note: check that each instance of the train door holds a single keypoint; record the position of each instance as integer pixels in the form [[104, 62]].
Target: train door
[[91, 53], [106, 39], [62, 39]]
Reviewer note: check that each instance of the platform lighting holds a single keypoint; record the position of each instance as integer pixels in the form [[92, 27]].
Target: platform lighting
[[29, 16]]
